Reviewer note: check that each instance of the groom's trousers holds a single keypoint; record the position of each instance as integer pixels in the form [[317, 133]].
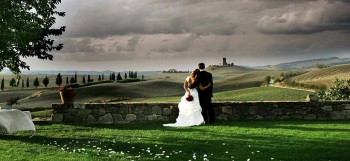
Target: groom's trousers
[[207, 110]]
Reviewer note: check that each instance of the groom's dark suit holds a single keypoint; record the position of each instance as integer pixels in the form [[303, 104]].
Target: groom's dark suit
[[204, 78]]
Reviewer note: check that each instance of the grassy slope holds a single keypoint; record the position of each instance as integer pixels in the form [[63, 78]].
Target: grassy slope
[[249, 94], [160, 85], [324, 76], [231, 140]]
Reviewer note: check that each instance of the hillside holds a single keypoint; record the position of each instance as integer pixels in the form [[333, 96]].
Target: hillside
[[158, 85], [308, 64], [324, 76], [238, 77]]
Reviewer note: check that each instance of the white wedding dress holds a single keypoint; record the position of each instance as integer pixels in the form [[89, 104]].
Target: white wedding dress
[[190, 112]]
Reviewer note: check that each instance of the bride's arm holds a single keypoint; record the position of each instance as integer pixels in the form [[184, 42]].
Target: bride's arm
[[186, 87], [204, 88]]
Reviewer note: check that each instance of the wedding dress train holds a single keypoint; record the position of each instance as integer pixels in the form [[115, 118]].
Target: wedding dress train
[[190, 112]]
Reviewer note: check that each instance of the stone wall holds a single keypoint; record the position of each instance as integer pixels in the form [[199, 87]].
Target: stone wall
[[124, 113]]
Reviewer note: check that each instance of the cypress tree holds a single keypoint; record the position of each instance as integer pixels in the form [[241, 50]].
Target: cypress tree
[[27, 83], [22, 83], [103, 76], [2, 84], [110, 76], [84, 81], [89, 80], [46, 81], [72, 80], [113, 76], [67, 82], [125, 76], [99, 77], [36, 82], [143, 77], [75, 77], [119, 77], [131, 74], [135, 75], [59, 79]]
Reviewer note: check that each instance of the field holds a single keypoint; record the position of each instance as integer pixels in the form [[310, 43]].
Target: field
[[161, 85], [231, 140], [248, 94], [324, 76]]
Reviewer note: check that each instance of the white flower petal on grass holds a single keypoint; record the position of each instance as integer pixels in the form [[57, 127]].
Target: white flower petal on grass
[[226, 152], [272, 158], [253, 153], [205, 155], [248, 159], [167, 156], [258, 151], [223, 143]]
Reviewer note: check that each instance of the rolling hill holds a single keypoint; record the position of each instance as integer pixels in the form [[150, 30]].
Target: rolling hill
[[324, 76], [158, 85]]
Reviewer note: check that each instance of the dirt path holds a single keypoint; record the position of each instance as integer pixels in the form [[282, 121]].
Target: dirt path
[[300, 89]]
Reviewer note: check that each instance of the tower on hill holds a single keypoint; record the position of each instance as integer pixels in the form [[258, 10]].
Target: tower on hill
[[224, 61]]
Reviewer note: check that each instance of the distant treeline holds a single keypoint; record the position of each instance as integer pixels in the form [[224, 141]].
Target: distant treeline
[[131, 76]]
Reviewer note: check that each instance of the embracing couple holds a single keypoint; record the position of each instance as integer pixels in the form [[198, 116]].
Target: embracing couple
[[195, 106]]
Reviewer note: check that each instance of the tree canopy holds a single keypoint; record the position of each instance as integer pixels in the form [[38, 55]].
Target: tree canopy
[[25, 30]]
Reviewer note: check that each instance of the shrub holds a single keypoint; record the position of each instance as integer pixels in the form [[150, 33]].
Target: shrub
[[339, 91], [267, 80]]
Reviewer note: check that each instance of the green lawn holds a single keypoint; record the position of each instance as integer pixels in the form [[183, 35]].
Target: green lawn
[[248, 94], [231, 140]]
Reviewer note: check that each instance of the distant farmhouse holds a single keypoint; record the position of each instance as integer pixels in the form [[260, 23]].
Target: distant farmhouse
[[174, 71]]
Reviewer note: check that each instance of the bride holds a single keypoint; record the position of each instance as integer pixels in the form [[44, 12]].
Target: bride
[[190, 112]]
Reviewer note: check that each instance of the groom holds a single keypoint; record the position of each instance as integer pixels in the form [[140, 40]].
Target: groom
[[204, 78]]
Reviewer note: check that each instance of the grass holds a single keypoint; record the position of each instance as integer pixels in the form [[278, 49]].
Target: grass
[[249, 94], [231, 140], [43, 113]]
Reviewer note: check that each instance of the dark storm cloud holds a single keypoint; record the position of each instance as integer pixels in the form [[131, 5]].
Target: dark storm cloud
[[147, 17], [264, 30], [309, 17]]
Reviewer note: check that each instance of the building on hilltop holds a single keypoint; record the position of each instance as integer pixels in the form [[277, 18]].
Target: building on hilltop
[[224, 63]]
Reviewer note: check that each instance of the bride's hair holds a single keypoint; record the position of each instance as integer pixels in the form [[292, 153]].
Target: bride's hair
[[195, 73]]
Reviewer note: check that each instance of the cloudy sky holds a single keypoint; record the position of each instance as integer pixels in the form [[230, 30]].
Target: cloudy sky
[[162, 34]]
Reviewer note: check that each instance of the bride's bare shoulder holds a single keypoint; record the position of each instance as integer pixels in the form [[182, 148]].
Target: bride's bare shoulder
[[188, 78]]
